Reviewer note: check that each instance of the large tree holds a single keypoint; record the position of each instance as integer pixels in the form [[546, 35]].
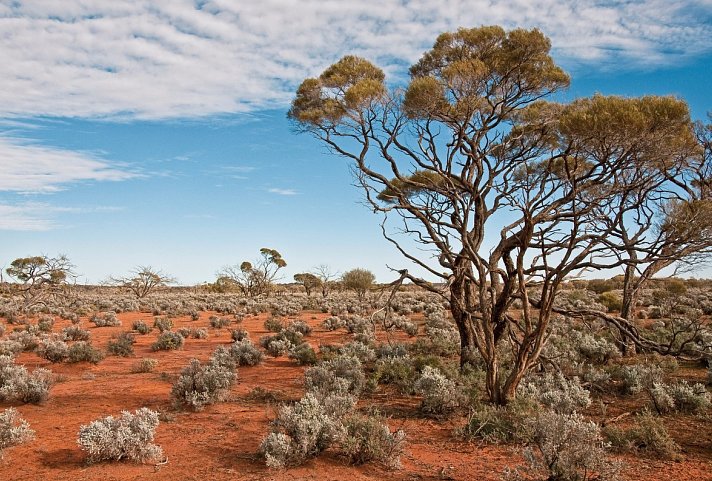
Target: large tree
[[40, 279], [511, 193]]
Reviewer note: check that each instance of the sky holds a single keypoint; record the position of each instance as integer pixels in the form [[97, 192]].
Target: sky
[[155, 132]]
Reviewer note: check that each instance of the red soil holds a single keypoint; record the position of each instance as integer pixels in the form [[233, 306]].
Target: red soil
[[220, 442]]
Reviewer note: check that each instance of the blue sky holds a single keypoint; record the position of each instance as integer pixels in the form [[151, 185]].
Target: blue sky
[[155, 133]]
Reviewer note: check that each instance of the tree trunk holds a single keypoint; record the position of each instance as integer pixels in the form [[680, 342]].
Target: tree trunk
[[630, 299]]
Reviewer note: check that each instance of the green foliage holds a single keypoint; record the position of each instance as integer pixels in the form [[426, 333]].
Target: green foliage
[[611, 300], [358, 280], [367, 439], [122, 344], [168, 341], [83, 351]]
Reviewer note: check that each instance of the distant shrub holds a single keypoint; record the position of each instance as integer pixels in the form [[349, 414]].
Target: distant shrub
[[648, 436], [555, 392], [273, 325], [184, 332], [301, 327], [10, 348], [333, 323], [163, 324], [367, 439], [146, 364], [83, 351], [127, 437], [45, 323], [303, 354], [168, 341], [13, 430], [359, 350], [440, 394], [199, 385], [141, 327], [75, 333], [497, 424], [199, 333], [681, 396], [108, 319], [240, 334], [245, 353], [275, 346], [219, 322], [122, 344], [17, 384], [54, 350], [341, 375], [611, 300]]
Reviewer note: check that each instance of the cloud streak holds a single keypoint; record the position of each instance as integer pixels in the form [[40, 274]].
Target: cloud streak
[[27, 167], [39, 216], [179, 59], [279, 191]]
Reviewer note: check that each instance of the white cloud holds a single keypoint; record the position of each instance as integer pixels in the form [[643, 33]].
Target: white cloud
[[180, 58], [32, 168], [39, 216], [279, 191]]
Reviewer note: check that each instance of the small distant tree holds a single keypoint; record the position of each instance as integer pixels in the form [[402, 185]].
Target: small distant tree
[[143, 280], [358, 280], [254, 279], [327, 278], [40, 278], [308, 280]]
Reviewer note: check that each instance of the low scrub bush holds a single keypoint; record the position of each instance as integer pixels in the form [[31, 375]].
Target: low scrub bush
[[239, 335], [75, 333], [17, 384], [141, 327], [83, 351], [163, 324], [129, 436], [245, 353], [341, 375], [556, 392], [122, 344], [54, 350], [13, 430], [566, 447], [498, 424], [681, 396], [108, 319], [146, 364], [301, 327], [649, 436], [367, 439], [199, 385], [273, 325], [300, 432], [333, 323], [303, 354], [219, 322], [440, 394], [168, 341]]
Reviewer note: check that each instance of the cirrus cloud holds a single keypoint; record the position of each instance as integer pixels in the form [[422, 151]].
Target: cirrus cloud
[[157, 60], [27, 167]]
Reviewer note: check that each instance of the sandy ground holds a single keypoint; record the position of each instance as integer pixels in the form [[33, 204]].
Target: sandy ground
[[220, 442]]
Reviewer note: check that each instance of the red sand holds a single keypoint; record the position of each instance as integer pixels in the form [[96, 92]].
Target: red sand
[[220, 442]]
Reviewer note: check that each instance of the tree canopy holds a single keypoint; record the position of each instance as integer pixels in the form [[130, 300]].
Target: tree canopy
[[510, 192]]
